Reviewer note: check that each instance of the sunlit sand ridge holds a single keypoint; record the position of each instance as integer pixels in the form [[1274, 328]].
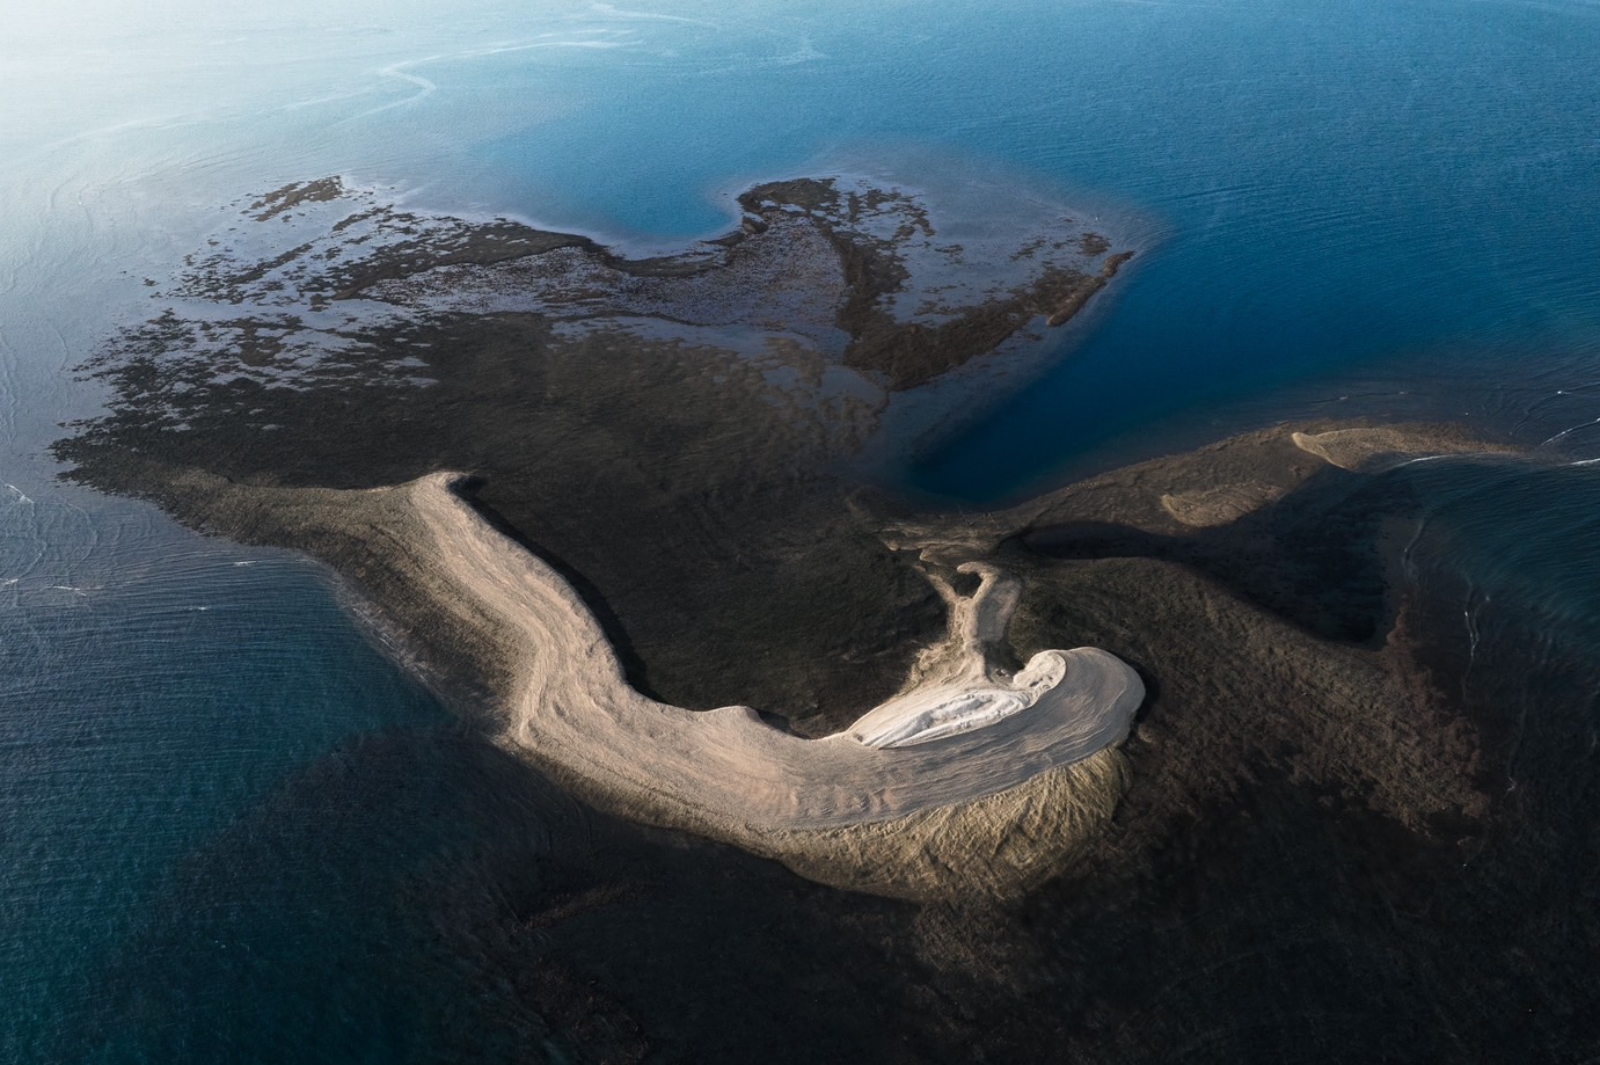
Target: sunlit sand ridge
[[961, 733]]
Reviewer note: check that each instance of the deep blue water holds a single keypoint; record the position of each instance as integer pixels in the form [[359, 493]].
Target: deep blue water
[[1352, 206], [150, 695]]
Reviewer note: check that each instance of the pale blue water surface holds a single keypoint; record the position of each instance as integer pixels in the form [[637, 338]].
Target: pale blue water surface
[[1348, 206]]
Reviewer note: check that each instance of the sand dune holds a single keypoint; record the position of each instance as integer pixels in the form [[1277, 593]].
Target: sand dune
[[963, 730], [1352, 448]]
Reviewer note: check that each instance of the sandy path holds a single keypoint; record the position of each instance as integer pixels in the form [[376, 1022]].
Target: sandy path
[[575, 711]]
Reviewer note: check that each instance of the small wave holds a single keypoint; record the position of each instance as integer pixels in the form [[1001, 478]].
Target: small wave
[[1563, 434], [425, 88], [616, 12]]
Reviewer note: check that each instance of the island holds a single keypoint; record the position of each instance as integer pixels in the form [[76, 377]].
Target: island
[[623, 512]]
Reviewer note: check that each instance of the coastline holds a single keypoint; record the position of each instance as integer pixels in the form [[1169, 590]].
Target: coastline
[[927, 821], [991, 813], [1352, 820], [744, 566]]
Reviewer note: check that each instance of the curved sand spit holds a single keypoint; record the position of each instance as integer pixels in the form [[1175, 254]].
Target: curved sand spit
[[967, 752]]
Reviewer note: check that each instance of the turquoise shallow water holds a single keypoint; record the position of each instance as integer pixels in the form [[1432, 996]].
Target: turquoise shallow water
[[1352, 206]]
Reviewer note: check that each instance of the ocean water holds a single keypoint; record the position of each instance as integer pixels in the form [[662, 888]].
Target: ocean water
[[1346, 207]]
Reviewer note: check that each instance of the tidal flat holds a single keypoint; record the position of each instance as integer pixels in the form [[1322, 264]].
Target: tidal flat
[[680, 439]]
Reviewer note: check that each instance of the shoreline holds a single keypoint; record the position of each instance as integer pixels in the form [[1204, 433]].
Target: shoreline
[[682, 512], [993, 812]]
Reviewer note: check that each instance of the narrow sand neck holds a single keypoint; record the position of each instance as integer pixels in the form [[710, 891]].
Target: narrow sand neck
[[957, 686]]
